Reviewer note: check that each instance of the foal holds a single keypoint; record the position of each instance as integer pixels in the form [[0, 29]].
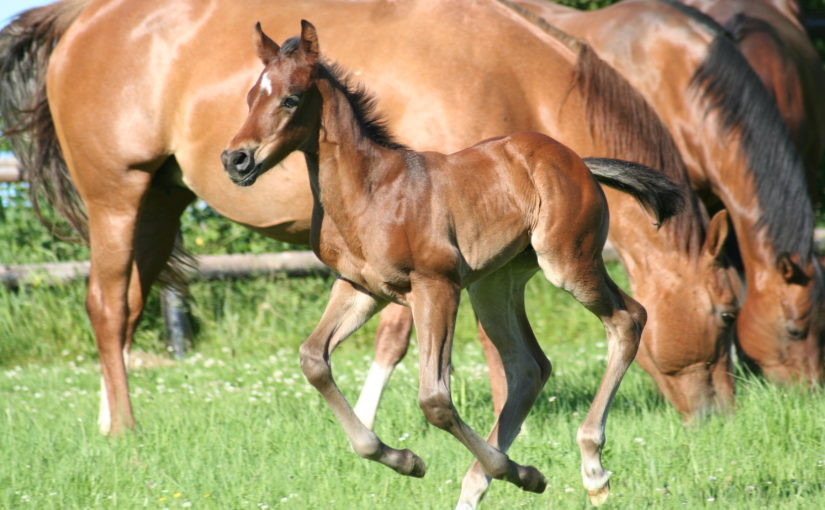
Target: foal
[[417, 227]]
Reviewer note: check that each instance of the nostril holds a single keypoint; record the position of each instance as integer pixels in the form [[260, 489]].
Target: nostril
[[240, 159]]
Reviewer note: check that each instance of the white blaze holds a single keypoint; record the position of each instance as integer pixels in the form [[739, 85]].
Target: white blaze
[[266, 84]]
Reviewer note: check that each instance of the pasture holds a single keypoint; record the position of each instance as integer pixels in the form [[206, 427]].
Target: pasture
[[237, 426]]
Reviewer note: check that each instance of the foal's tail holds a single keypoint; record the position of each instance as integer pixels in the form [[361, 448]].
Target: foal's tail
[[25, 47], [658, 194]]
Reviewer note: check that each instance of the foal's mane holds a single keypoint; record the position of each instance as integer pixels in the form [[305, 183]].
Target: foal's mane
[[730, 86], [625, 124], [363, 103]]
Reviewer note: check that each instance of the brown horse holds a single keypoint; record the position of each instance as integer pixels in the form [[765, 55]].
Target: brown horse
[[417, 227], [772, 39], [171, 102], [738, 150]]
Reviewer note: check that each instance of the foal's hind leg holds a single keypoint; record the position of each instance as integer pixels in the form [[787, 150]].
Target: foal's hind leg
[[623, 320], [435, 303], [391, 342], [498, 301], [347, 310]]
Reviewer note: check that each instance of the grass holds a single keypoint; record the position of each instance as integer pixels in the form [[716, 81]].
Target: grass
[[236, 425]]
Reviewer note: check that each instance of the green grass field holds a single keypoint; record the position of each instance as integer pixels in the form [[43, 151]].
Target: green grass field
[[237, 426]]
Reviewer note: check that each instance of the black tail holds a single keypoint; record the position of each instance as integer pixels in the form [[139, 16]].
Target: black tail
[[25, 47], [658, 194]]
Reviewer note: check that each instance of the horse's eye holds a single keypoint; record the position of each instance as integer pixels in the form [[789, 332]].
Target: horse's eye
[[290, 101], [728, 317]]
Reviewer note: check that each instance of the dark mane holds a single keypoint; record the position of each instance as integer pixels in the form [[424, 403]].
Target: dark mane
[[710, 24], [363, 103], [729, 86], [372, 125], [741, 25], [625, 122]]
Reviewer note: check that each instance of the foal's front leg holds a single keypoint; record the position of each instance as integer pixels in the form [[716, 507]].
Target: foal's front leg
[[347, 310], [434, 304]]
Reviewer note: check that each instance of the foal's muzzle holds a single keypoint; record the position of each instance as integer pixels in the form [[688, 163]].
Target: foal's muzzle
[[240, 166]]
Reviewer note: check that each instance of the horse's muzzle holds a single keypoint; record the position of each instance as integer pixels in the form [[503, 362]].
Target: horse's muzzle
[[240, 166]]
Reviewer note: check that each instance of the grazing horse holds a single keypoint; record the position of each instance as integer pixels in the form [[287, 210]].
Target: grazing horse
[[171, 104], [772, 39], [738, 151], [417, 227]]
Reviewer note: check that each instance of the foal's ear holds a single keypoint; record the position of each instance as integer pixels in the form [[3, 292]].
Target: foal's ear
[[309, 41], [265, 47], [717, 234]]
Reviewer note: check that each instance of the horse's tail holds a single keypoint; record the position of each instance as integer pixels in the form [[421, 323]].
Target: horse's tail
[[658, 194], [26, 45]]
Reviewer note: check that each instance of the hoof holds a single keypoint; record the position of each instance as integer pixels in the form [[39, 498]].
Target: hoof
[[531, 479], [410, 464], [599, 496]]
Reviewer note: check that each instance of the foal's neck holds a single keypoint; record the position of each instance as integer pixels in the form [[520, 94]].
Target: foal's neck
[[348, 162]]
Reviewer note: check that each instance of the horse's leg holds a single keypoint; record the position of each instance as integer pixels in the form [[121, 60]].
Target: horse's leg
[[435, 303], [623, 320], [155, 235], [495, 369], [391, 342], [347, 310], [113, 201], [498, 301]]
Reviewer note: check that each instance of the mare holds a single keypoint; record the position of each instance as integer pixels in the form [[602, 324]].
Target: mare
[[418, 227], [770, 36], [168, 85], [739, 154]]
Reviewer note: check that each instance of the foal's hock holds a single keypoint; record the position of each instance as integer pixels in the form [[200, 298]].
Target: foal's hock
[[417, 227]]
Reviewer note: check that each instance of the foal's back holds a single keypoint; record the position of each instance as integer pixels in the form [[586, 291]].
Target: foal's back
[[475, 209]]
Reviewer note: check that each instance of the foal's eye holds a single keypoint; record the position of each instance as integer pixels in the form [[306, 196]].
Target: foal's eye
[[290, 101]]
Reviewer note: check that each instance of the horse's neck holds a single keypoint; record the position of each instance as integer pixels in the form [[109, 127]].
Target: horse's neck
[[346, 159]]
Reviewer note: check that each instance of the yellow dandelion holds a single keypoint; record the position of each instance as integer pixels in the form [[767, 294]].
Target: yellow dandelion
[[177, 495], [162, 499]]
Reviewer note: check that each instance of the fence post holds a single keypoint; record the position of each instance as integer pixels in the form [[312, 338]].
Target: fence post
[[176, 314], [176, 320]]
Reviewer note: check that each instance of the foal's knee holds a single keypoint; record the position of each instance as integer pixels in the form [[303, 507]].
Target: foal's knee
[[316, 369], [438, 409], [629, 325], [637, 312]]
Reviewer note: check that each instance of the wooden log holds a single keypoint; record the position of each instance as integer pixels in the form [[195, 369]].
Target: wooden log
[[210, 267]]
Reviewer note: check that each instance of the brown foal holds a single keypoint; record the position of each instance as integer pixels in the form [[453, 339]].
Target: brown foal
[[417, 227]]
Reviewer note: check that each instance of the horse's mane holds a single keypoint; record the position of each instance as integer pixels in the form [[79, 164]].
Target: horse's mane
[[372, 125], [622, 119], [731, 87], [741, 25]]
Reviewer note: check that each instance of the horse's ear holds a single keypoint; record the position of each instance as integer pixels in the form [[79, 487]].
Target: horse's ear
[[265, 47], [789, 268], [309, 41], [718, 231]]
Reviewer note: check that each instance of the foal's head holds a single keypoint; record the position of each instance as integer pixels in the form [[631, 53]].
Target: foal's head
[[284, 107]]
